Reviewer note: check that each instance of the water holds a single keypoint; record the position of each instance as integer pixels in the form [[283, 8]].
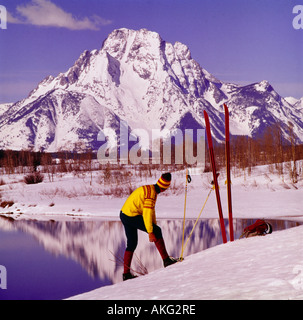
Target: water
[[59, 259]]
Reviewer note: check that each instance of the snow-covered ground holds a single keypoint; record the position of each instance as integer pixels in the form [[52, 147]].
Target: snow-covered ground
[[269, 267], [260, 194]]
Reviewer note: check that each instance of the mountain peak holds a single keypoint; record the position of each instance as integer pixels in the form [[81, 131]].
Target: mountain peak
[[263, 86], [148, 83], [121, 42], [182, 50]]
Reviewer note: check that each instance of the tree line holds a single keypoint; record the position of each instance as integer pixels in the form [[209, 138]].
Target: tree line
[[246, 153], [270, 149]]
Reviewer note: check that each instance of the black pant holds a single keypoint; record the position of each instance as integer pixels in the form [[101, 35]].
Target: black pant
[[131, 226]]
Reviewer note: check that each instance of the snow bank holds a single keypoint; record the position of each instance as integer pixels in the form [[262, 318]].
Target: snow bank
[[269, 267]]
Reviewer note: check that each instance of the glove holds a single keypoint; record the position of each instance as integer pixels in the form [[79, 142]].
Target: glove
[[152, 237]]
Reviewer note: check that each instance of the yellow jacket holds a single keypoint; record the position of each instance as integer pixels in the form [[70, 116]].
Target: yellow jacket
[[142, 201]]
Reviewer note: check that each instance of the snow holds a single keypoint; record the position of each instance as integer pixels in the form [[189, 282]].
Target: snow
[[241, 123], [299, 104], [291, 100], [269, 267], [4, 107], [254, 268], [84, 193], [262, 86]]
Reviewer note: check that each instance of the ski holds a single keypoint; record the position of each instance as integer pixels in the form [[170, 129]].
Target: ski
[[228, 181], [213, 166]]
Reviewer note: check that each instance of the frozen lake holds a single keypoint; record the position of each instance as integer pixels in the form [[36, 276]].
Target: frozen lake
[[59, 259]]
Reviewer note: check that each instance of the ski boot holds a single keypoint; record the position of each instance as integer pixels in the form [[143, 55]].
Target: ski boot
[[127, 276], [169, 261]]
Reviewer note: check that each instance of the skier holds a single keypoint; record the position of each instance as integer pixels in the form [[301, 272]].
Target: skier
[[138, 212]]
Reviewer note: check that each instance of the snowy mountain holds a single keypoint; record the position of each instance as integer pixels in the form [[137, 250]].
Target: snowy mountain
[[299, 105], [147, 82], [4, 107], [291, 100]]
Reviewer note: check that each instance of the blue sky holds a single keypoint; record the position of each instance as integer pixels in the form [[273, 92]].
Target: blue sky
[[241, 41]]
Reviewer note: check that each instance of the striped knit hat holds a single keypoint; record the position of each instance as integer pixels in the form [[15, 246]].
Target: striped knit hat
[[164, 181]]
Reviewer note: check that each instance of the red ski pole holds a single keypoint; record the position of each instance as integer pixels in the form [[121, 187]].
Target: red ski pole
[[213, 165], [227, 153]]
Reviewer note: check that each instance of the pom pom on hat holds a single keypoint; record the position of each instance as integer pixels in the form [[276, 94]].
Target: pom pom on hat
[[164, 181]]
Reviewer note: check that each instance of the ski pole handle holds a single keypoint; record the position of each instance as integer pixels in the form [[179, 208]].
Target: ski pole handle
[[188, 177]]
